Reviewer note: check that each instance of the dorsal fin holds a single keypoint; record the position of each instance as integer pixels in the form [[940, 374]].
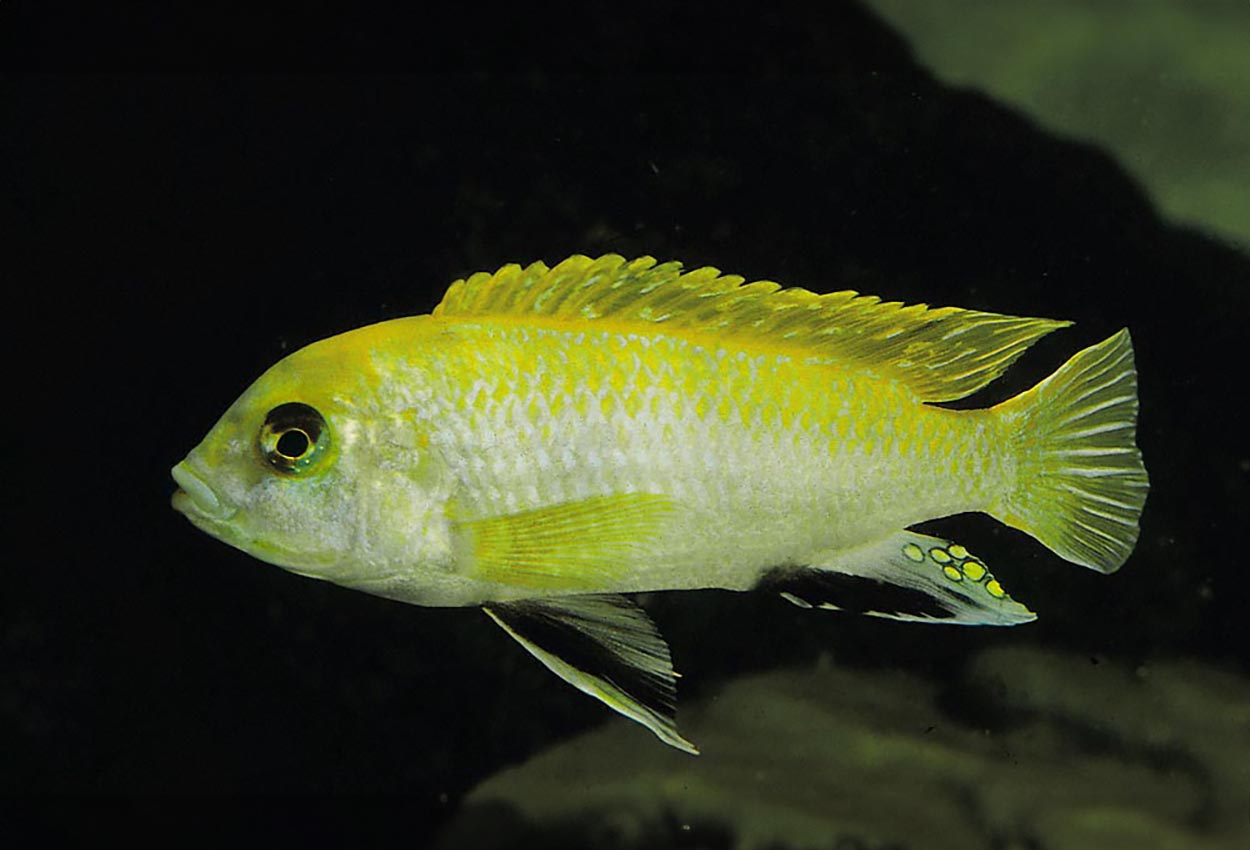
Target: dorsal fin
[[941, 354]]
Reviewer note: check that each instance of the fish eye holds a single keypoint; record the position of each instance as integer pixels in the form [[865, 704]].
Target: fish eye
[[293, 438]]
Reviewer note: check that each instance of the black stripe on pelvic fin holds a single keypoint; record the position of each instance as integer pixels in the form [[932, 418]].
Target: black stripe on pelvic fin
[[855, 594], [557, 630]]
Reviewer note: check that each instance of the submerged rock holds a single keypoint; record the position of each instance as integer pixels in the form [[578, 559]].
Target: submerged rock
[[1029, 749]]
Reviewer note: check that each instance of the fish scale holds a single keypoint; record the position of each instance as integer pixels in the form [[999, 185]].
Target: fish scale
[[551, 438], [723, 437]]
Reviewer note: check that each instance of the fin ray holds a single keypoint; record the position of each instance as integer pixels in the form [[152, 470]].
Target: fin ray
[[908, 576], [1080, 483], [578, 545], [605, 646], [941, 354]]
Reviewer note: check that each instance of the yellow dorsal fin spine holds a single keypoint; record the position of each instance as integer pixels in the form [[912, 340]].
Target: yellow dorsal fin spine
[[941, 354]]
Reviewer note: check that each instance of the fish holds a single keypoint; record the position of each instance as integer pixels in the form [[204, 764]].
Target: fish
[[550, 441]]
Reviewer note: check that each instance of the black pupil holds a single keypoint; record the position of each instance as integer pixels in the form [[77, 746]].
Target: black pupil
[[293, 444], [292, 433]]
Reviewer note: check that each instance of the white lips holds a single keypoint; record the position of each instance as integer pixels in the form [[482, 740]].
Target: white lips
[[202, 498]]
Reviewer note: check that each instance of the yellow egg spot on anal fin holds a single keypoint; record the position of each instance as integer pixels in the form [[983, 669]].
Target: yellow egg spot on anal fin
[[883, 579], [995, 589], [957, 552], [582, 545], [974, 570], [940, 555], [914, 553]]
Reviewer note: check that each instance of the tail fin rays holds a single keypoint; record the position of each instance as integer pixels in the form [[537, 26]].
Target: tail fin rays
[[1080, 481]]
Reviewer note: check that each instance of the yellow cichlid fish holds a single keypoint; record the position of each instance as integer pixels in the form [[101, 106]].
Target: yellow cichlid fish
[[551, 438]]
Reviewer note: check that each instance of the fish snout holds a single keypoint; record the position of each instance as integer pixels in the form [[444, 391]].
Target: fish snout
[[194, 495]]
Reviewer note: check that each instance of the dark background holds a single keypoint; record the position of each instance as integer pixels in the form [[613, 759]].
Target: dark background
[[183, 202]]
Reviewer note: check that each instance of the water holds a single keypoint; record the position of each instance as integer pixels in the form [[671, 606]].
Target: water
[[181, 234]]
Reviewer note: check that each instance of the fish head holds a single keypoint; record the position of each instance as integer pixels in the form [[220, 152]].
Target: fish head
[[299, 473]]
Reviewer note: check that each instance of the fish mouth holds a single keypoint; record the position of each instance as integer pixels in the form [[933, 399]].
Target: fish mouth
[[195, 498], [198, 502]]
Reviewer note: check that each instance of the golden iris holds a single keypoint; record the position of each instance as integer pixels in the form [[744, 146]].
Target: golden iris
[[293, 438]]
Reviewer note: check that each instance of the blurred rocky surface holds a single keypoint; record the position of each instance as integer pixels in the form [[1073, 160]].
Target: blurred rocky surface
[[1160, 85], [1028, 749]]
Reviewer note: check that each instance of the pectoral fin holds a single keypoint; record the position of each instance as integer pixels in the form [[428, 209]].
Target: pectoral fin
[[605, 646], [578, 545], [907, 576]]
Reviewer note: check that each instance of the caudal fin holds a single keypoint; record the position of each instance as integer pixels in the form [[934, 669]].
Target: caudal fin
[[1080, 484]]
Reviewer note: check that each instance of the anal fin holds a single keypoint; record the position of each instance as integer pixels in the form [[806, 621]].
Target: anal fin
[[606, 646], [907, 576]]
